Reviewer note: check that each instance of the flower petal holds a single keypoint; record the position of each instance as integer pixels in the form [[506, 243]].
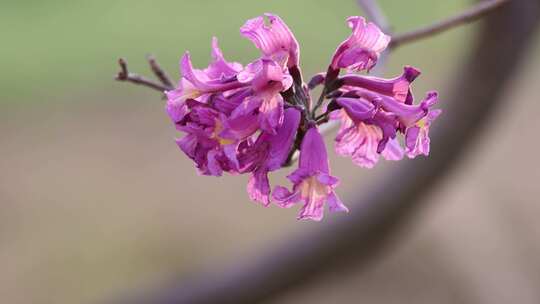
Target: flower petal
[[398, 87], [335, 204], [313, 155], [258, 187], [284, 198], [362, 49], [358, 109], [276, 41]]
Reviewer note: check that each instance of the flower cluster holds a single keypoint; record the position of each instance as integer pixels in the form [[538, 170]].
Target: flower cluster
[[252, 119]]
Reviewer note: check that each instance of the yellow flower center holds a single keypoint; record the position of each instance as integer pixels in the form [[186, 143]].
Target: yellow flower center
[[421, 123], [313, 189], [217, 129], [191, 94]]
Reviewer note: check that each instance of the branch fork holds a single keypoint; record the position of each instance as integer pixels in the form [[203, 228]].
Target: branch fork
[[165, 83]]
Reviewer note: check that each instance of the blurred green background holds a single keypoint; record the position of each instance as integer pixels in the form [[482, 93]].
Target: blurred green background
[[52, 48], [96, 199]]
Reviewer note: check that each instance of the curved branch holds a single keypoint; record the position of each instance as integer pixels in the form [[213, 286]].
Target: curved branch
[[495, 58], [474, 13]]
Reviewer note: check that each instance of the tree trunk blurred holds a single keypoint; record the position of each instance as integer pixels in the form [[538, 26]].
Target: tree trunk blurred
[[495, 57]]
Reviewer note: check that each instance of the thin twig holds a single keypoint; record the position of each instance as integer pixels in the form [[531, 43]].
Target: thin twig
[[125, 75], [472, 14], [159, 72], [373, 11]]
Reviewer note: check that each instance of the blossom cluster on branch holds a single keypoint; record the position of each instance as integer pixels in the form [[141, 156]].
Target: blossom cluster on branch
[[253, 118]]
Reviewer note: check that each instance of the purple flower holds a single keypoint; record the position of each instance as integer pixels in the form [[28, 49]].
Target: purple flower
[[361, 110], [176, 106], [267, 79], [250, 119], [219, 76], [361, 141], [398, 87], [242, 122], [227, 102], [417, 137], [362, 49], [374, 111], [358, 109], [407, 115], [312, 182], [268, 153], [203, 142], [316, 80], [205, 81], [276, 41]]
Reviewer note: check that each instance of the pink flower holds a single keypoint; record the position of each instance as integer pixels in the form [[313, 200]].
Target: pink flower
[[219, 76], [276, 41], [362, 49], [267, 79], [373, 112], [251, 119], [203, 142], [312, 183], [360, 141], [398, 87], [417, 137], [268, 153]]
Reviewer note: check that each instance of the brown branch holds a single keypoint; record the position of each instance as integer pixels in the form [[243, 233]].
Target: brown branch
[[474, 13], [159, 72], [125, 75]]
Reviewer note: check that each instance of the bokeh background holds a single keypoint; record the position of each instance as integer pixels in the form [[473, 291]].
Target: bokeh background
[[96, 200]]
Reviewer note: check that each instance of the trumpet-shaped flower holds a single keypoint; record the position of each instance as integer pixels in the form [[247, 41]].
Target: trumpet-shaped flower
[[312, 183], [363, 47], [275, 40], [267, 154]]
